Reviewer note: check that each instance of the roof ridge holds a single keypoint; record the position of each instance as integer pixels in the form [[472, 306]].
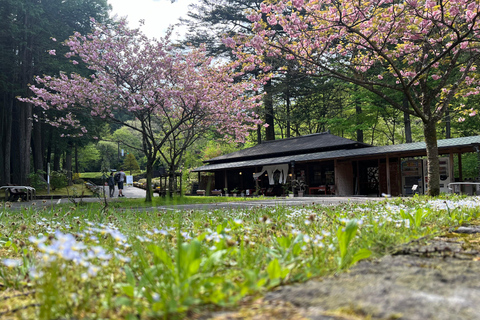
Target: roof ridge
[[297, 137]]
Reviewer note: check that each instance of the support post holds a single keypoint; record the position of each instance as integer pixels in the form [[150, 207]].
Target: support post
[[335, 172], [460, 173], [389, 189], [226, 181], [451, 170]]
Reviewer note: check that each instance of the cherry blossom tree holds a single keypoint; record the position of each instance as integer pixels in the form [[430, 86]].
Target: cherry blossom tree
[[161, 86], [424, 49]]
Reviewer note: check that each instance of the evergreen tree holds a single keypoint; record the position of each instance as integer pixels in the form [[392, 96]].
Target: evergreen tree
[[28, 29], [130, 163]]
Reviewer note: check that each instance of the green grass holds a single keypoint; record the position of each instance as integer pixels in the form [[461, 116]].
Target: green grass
[[75, 189], [130, 263], [180, 200], [91, 175]]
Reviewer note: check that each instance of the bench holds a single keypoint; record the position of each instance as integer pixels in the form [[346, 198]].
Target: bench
[[200, 192], [215, 192], [13, 193], [456, 187], [323, 189]]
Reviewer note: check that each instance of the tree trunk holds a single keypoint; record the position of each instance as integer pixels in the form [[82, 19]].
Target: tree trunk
[[407, 123], [288, 114], [25, 134], [448, 131], [408, 128], [68, 164], [37, 146], [148, 187], [76, 158], [26, 109], [358, 111], [171, 180], [57, 155], [432, 157], [268, 102], [2, 143], [8, 142]]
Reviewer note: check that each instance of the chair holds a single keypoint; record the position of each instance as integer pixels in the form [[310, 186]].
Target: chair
[[269, 192], [331, 189]]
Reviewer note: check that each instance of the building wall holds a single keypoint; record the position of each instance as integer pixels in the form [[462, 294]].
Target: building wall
[[344, 178], [395, 178]]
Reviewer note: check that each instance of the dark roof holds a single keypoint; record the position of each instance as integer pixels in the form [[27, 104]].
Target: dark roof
[[465, 144], [304, 144]]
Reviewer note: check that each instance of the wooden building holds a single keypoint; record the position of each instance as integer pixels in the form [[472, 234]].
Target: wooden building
[[331, 165]]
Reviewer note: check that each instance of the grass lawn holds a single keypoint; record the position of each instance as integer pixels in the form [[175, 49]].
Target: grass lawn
[[77, 189], [83, 263], [177, 200]]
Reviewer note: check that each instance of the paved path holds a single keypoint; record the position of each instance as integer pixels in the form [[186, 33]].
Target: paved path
[[133, 192]]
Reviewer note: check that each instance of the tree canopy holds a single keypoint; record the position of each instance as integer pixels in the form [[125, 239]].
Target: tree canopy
[[164, 88], [426, 50]]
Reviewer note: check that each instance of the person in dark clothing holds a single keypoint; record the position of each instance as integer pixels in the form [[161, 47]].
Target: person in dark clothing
[[121, 180], [111, 184]]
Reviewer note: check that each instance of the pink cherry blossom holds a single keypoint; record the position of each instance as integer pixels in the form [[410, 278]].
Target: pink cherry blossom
[[165, 88], [428, 48]]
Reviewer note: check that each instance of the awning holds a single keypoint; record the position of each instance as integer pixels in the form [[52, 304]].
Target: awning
[[281, 169]]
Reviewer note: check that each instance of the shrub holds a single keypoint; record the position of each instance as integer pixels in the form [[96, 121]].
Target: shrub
[[58, 179], [37, 180]]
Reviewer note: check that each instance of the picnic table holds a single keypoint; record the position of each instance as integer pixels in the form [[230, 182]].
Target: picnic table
[[460, 187], [11, 191]]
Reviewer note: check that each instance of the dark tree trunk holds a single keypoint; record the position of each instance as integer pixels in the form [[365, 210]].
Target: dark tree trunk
[[76, 158], [269, 112], [408, 127], [171, 179], [37, 146], [2, 143], [149, 174], [57, 156], [288, 115], [21, 149], [26, 108], [8, 141], [432, 157]]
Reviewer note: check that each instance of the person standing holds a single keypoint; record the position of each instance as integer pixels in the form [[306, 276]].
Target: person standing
[[111, 184], [121, 180]]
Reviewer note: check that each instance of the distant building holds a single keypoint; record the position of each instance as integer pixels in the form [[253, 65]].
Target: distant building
[[331, 165]]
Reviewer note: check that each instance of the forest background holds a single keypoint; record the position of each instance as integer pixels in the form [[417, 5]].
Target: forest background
[[293, 104]]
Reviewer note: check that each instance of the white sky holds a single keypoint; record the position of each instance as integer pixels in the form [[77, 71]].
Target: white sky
[[158, 14]]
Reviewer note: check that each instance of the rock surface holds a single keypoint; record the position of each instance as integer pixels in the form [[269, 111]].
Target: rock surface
[[427, 279]]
